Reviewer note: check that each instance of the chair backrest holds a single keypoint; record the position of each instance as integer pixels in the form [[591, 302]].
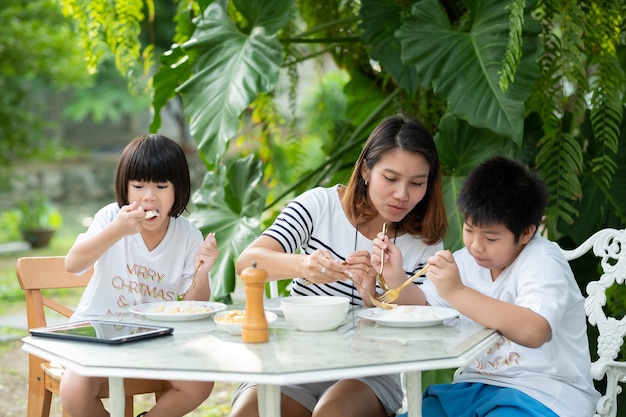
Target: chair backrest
[[273, 289], [609, 246], [44, 273]]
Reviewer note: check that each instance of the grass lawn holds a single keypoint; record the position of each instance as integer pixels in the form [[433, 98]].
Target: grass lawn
[[11, 295]]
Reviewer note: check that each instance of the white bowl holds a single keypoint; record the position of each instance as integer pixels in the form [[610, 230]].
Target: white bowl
[[230, 321], [315, 313]]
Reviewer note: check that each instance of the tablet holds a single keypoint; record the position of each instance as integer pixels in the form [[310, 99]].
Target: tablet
[[102, 331]]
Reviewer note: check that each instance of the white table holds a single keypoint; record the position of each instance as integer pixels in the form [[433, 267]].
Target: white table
[[200, 351]]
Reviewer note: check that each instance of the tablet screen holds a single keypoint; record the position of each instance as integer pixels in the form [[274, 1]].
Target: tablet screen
[[102, 331]]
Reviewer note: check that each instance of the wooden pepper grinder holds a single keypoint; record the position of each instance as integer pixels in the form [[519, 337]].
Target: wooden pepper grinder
[[254, 328]]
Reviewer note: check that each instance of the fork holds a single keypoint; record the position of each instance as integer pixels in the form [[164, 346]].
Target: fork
[[392, 295], [193, 280], [374, 301], [379, 277]]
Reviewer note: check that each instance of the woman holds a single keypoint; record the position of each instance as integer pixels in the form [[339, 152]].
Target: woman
[[325, 234]]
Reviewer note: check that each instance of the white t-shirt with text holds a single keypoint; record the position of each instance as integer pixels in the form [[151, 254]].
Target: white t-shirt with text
[[128, 273], [558, 373]]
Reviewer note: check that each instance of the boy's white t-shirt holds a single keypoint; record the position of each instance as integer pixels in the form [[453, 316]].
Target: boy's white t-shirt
[[558, 373], [128, 273]]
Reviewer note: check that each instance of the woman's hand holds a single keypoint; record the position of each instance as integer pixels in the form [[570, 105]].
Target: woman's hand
[[321, 268], [394, 268], [360, 267]]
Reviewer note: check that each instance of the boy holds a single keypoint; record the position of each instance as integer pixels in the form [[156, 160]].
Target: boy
[[509, 278]]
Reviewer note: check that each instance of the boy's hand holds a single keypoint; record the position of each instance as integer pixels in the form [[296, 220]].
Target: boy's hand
[[444, 273]]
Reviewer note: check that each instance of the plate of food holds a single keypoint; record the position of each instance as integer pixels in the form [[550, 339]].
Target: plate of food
[[409, 316], [177, 310]]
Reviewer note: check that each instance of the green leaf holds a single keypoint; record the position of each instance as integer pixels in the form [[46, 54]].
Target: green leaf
[[463, 66], [461, 148], [380, 19], [175, 68], [230, 70], [451, 187], [231, 207], [601, 205], [362, 98], [269, 14]]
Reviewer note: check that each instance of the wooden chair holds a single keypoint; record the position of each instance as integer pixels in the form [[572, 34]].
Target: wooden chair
[[43, 273], [609, 245]]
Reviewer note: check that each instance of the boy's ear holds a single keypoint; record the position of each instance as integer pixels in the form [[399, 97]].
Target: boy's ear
[[527, 234]]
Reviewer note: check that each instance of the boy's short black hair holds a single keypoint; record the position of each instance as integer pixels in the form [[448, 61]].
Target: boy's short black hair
[[154, 158], [504, 191]]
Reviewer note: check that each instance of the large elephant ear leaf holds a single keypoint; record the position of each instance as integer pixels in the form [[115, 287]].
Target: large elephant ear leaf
[[463, 65], [461, 147], [175, 67], [270, 14], [231, 206], [230, 70]]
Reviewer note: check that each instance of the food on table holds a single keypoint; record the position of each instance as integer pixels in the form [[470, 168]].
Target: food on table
[[409, 313], [234, 316], [180, 307]]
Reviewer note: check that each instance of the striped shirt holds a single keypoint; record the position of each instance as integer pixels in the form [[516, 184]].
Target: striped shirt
[[316, 220]]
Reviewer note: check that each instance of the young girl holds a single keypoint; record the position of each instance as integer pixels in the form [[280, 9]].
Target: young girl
[[327, 233], [142, 251]]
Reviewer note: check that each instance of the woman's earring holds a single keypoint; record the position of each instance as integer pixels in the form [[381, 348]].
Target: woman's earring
[[366, 183]]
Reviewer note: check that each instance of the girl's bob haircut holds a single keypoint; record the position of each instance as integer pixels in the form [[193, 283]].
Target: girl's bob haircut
[[154, 158]]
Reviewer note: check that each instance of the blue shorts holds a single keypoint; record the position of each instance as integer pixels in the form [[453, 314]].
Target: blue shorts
[[466, 399]]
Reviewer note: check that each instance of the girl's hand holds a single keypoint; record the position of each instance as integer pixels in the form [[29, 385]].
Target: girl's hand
[[208, 253], [130, 219]]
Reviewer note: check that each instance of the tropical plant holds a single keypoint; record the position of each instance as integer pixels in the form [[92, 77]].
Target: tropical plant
[[38, 213], [39, 220], [540, 81]]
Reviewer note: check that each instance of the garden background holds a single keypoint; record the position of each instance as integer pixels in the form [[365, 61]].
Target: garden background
[[278, 96]]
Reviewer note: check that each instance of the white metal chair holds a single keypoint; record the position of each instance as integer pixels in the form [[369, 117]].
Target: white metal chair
[[273, 289], [609, 245]]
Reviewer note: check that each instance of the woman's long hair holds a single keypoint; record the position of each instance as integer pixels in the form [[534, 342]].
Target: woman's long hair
[[428, 218]]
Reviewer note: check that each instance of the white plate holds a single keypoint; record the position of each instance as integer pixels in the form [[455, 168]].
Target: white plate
[[409, 316], [273, 305], [177, 310]]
